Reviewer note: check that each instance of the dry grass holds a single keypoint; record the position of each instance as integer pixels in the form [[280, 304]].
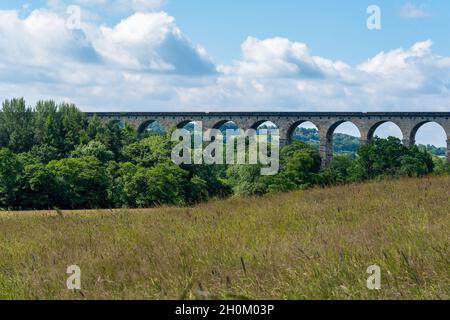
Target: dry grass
[[314, 244]]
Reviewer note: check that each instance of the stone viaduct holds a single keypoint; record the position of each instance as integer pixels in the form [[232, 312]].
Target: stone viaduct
[[287, 122]]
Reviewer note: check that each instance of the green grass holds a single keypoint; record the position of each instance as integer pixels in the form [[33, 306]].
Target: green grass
[[314, 244]]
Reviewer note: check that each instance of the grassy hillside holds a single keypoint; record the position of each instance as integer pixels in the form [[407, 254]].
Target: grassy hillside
[[302, 245]]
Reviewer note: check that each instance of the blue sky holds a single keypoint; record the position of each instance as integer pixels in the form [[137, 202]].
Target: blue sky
[[288, 55], [329, 27]]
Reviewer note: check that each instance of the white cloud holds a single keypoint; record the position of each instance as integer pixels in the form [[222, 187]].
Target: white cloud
[[412, 11], [145, 63], [279, 57], [151, 42], [41, 39], [401, 79]]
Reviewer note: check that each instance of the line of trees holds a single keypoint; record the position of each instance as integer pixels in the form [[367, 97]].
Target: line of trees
[[52, 156]]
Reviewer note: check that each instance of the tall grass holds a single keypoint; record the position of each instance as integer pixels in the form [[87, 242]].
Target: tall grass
[[314, 244]]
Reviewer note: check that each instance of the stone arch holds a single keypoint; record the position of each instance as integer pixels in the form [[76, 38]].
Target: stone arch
[[326, 140], [184, 123], [377, 125], [145, 125], [446, 135], [331, 130], [343, 131], [219, 126], [118, 122], [293, 127], [259, 123], [221, 123], [417, 127]]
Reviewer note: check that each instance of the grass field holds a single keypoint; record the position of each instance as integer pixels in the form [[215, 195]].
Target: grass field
[[314, 244]]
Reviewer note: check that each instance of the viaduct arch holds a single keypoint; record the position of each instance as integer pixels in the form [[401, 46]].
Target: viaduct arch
[[408, 122]]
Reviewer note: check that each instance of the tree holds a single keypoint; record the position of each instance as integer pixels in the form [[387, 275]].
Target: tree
[[81, 182], [340, 171], [44, 153], [74, 124], [442, 166], [40, 188], [245, 180], [149, 151], [300, 165], [47, 125], [16, 128], [387, 157], [118, 176], [114, 137], [141, 187], [10, 169], [95, 149]]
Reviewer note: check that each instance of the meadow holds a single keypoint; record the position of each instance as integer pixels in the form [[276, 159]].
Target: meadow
[[313, 244]]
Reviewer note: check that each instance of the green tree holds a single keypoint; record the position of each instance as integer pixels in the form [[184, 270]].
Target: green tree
[[74, 124], [147, 187], [47, 125], [44, 153], [389, 157], [113, 136], [40, 187], [340, 170], [81, 182], [246, 180], [149, 151], [10, 169], [300, 165], [16, 126], [95, 149]]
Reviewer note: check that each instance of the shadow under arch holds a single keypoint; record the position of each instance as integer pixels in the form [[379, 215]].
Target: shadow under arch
[[228, 128], [117, 122], [222, 123], [187, 123], [257, 125], [152, 126]]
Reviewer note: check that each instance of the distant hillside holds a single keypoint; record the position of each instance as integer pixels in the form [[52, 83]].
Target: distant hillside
[[344, 143]]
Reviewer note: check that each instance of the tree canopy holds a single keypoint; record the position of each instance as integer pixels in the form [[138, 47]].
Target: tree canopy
[[52, 156]]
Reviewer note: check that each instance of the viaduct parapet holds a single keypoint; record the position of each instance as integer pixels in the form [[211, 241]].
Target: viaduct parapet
[[327, 122]]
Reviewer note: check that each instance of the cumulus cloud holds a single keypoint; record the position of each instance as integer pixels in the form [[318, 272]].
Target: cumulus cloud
[[275, 57], [151, 42], [277, 74], [41, 39], [146, 63], [140, 60]]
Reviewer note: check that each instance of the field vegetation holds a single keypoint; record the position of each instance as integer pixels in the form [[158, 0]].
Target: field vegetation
[[311, 244]]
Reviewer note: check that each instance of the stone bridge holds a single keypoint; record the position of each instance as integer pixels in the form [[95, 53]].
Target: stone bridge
[[408, 122]]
